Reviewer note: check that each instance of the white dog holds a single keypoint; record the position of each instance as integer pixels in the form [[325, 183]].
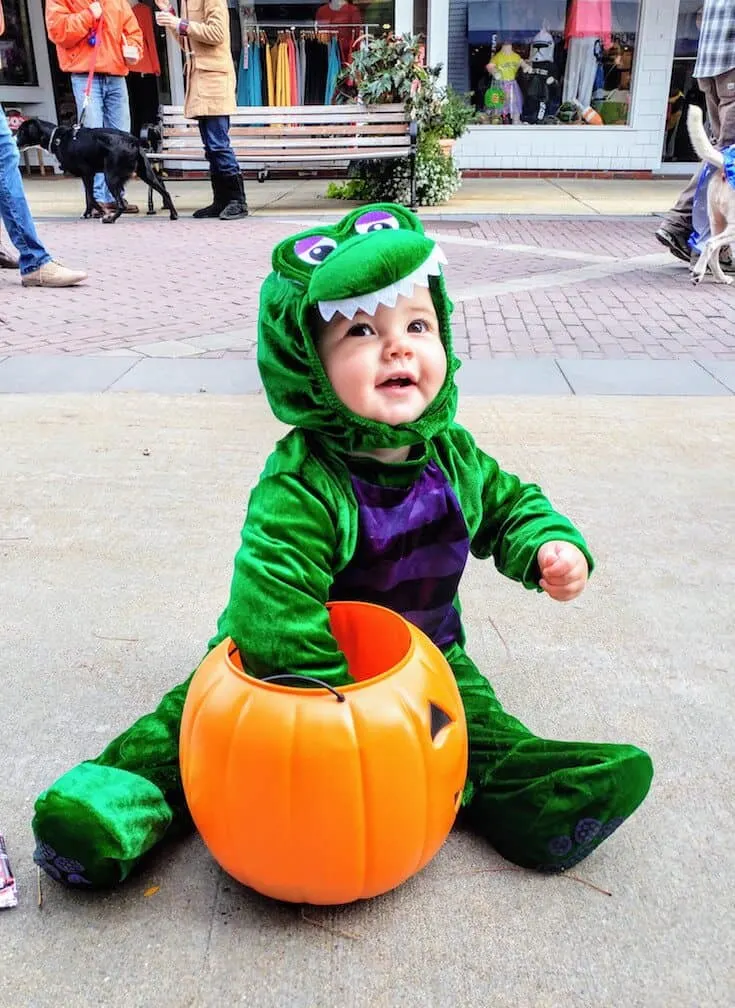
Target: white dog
[[720, 201]]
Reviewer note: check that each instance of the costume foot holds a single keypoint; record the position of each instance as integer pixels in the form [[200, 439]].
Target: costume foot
[[579, 796], [95, 823]]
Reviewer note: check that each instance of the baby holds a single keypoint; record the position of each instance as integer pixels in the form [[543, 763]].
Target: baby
[[375, 495]]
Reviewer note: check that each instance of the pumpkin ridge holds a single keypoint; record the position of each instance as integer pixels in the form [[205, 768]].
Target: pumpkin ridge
[[248, 701], [419, 729], [291, 734], [356, 729], [195, 711]]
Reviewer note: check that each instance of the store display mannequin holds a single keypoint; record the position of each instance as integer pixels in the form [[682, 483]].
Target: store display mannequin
[[588, 22], [539, 82], [341, 12], [502, 71]]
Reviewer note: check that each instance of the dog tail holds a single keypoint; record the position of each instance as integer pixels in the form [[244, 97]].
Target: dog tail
[[700, 140], [144, 169]]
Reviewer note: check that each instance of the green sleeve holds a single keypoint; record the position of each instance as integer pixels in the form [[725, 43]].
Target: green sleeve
[[517, 519], [276, 612], [507, 519]]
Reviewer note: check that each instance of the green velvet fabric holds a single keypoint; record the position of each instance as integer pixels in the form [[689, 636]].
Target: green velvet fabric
[[542, 804], [301, 529]]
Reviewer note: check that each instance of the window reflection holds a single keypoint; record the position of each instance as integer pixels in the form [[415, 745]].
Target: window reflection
[[545, 61], [17, 65]]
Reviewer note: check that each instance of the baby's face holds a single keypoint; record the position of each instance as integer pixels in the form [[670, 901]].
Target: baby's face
[[388, 366]]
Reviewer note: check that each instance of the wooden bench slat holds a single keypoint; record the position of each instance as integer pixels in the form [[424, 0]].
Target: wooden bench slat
[[291, 120], [272, 155], [396, 129], [353, 108], [296, 116], [306, 111], [288, 143]]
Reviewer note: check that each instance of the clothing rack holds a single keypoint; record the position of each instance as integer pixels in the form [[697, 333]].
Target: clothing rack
[[319, 26]]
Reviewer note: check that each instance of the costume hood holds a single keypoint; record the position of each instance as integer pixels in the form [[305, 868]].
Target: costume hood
[[370, 257]]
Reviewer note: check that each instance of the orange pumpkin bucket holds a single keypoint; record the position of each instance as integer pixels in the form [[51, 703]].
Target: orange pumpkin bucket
[[315, 795]]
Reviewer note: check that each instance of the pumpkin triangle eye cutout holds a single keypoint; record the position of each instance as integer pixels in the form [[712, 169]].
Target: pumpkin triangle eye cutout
[[439, 719]]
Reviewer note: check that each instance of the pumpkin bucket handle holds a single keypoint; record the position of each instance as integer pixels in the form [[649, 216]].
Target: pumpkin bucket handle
[[300, 678]]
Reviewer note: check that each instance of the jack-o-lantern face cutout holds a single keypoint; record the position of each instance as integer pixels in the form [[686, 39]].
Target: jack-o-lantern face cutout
[[313, 796]]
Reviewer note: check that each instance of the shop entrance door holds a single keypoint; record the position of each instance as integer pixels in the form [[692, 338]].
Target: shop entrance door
[[677, 153]]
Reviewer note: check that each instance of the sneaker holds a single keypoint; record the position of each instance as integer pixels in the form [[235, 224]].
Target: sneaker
[[675, 241], [726, 264], [53, 274], [7, 259]]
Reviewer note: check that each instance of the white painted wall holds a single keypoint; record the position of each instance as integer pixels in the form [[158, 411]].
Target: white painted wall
[[403, 17]]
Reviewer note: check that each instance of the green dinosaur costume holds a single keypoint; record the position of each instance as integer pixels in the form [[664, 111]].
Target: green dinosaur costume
[[323, 524]]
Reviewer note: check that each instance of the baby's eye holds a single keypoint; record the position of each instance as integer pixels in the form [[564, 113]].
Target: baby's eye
[[360, 329], [418, 326], [314, 249]]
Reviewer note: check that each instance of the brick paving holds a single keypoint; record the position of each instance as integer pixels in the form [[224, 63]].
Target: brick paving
[[523, 288]]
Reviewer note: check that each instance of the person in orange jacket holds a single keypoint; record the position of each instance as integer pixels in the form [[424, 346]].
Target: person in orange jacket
[[74, 27]]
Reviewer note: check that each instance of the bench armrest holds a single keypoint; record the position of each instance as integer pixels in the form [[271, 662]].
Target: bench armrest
[[151, 134], [413, 134]]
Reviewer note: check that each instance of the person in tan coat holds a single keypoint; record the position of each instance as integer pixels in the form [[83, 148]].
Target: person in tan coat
[[203, 32]]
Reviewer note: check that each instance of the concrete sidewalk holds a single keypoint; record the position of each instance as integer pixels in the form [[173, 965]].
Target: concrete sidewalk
[[119, 518], [57, 196]]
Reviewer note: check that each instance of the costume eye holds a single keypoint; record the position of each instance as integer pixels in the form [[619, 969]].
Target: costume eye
[[314, 249], [376, 220]]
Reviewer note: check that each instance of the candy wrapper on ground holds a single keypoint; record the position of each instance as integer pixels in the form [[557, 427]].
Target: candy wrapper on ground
[[8, 891]]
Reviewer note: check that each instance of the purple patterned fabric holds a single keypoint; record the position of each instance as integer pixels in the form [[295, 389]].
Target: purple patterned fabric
[[412, 546]]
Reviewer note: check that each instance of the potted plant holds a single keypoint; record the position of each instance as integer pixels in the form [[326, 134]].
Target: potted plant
[[391, 69], [455, 115]]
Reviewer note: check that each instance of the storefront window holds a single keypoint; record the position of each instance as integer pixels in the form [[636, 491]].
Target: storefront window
[[683, 90], [17, 66], [291, 54], [545, 61]]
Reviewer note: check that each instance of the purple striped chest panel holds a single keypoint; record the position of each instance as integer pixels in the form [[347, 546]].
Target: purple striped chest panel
[[412, 546]]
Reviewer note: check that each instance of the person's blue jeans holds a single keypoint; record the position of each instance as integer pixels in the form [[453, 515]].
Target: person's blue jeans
[[108, 106], [215, 134], [14, 209]]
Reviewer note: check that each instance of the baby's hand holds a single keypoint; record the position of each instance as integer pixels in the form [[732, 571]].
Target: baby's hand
[[563, 569]]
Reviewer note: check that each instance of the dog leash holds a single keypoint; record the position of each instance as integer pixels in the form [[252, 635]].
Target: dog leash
[[94, 41]]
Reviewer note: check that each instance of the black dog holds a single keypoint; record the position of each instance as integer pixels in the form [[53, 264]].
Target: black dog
[[84, 152]]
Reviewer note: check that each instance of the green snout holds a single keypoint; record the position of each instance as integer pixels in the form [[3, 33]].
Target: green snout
[[368, 263]]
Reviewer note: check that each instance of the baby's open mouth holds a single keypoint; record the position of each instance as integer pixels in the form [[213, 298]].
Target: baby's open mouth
[[402, 382]]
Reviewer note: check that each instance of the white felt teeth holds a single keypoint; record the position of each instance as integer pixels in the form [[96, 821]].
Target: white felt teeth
[[388, 296]]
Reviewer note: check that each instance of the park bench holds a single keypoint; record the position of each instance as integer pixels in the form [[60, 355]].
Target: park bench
[[294, 136]]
